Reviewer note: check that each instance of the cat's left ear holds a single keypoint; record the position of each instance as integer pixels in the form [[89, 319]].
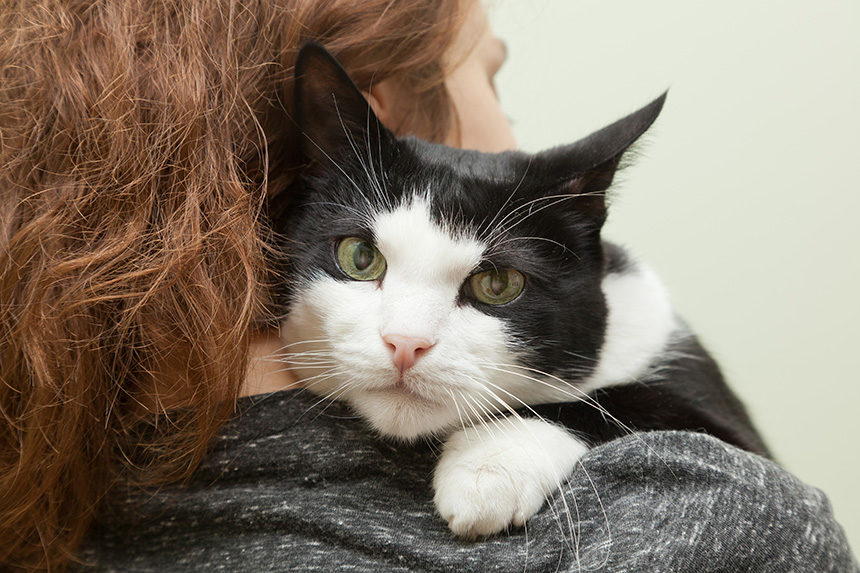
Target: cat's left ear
[[585, 169], [333, 115]]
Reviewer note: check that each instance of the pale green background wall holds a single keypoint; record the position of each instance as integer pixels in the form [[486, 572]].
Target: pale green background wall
[[746, 199]]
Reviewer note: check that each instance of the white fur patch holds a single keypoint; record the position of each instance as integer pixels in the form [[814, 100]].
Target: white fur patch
[[426, 267], [639, 325], [499, 474], [334, 331]]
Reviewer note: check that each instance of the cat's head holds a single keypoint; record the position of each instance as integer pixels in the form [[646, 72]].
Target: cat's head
[[428, 285]]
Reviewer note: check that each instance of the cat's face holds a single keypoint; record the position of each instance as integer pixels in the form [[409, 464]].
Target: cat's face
[[428, 286]]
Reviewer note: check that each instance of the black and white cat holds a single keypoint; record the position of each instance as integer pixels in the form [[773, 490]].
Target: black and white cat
[[469, 296]]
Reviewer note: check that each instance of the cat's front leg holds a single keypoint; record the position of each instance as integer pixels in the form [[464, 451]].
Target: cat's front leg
[[499, 473]]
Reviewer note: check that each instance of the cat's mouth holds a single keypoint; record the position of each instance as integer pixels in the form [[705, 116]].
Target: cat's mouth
[[401, 389]]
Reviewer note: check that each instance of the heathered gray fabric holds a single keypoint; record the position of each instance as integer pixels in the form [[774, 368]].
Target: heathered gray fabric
[[288, 488]]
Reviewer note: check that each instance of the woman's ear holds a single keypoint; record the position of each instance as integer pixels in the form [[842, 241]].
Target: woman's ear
[[378, 98], [386, 100]]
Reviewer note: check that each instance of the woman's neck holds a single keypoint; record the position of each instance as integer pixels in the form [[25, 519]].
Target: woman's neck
[[265, 373]]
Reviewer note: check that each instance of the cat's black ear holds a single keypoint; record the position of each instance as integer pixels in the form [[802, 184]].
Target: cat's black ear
[[332, 113], [587, 167]]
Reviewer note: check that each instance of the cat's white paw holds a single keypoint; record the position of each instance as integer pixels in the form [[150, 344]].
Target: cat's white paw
[[496, 475]]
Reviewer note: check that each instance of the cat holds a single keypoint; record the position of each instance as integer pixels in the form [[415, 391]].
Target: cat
[[469, 296]]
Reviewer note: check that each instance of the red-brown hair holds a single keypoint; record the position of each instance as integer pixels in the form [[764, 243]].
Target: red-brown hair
[[138, 143]]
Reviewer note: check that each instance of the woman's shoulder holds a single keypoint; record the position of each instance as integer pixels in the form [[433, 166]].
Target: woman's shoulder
[[295, 483]]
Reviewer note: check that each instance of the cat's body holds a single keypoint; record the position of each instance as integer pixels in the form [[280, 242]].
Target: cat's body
[[459, 294]]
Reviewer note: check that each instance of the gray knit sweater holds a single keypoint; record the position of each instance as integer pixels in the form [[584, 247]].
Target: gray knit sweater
[[293, 487]]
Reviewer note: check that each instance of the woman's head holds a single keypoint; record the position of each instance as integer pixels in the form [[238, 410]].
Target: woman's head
[[138, 143], [470, 65]]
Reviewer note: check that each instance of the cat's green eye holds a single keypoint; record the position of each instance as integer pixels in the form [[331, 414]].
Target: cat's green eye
[[359, 259], [497, 286]]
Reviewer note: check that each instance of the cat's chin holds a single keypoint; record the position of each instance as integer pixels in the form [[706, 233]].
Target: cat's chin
[[403, 415]]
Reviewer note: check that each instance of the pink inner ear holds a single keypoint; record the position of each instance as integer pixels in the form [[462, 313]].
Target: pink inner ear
[[589, 193]]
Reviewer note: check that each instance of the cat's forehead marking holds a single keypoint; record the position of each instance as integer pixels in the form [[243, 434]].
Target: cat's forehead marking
[[412, 243]]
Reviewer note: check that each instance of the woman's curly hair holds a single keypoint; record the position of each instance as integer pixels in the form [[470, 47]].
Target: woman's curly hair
[[139, 141]]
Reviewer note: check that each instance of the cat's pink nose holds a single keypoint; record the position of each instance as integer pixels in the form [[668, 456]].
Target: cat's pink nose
[[406, 350]]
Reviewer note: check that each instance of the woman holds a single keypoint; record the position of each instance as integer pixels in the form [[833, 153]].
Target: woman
[[139, 145]]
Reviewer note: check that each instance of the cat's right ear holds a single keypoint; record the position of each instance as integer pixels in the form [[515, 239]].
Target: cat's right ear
[[333, 115]]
